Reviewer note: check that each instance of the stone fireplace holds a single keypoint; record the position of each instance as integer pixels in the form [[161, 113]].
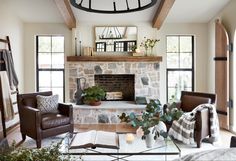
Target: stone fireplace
[[131, 78], [146, 75], [117, 83]]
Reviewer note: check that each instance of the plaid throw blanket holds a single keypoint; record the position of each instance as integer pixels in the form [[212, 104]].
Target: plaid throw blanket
[[183, 129]]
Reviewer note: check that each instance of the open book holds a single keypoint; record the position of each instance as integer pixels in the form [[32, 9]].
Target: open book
[[95, 139]]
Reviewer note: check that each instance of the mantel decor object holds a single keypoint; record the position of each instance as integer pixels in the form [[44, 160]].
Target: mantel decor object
[[79, 92], [116, 6], [115, 38], [148, 45]]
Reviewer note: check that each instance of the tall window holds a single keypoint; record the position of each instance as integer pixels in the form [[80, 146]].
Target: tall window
[[50, 64], [180, 65]]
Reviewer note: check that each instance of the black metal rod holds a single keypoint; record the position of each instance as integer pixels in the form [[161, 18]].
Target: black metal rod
[[220, 58], [114, 4], [127, 4], [89, 4], [76, 54], [79, 6], [139, 3]]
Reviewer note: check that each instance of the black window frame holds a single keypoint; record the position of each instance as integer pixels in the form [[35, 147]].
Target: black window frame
[[181, 69], [101, 49], [125, 45], [48, 69]]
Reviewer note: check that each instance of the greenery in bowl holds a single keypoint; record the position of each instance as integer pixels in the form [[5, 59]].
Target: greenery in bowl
[[147, 119], [93, 94]]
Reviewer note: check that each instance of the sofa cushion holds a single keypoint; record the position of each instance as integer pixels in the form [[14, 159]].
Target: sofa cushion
[[52, 120], [47, 104], [188, 103]]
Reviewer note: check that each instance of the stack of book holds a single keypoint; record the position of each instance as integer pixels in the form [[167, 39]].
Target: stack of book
[[88, 51]]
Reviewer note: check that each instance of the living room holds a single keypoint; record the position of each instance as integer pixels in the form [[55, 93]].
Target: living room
[[136, 56]]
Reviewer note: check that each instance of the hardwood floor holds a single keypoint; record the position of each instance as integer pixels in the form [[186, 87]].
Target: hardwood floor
[[14, 134]]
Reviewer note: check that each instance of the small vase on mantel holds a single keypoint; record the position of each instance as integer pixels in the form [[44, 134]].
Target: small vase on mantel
[[149, 52]]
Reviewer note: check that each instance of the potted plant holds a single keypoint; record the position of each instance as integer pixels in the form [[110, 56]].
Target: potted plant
[[146, 121], [93, 95]]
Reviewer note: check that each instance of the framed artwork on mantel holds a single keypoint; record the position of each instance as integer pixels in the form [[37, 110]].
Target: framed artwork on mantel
[[115, 39]]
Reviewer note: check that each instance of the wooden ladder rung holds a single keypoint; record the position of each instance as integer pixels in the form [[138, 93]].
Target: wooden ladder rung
[[13, 92]]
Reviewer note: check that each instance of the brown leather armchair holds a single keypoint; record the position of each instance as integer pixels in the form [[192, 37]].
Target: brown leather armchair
[[39, 126], [190, 100]]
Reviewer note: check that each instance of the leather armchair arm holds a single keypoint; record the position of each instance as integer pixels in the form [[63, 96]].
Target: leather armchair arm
[[202, 125], [30, 119], [65, 109]]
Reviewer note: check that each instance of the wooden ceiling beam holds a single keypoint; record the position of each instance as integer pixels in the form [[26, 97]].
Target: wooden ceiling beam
[[66, 12], [162, 12]]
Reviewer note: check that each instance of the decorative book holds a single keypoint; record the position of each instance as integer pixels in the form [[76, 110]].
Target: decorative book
[[93, 139]]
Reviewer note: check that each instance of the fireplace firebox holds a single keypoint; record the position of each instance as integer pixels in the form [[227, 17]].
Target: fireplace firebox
[[117, 86]]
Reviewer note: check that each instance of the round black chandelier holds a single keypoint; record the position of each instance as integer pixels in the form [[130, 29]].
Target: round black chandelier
[[80, 5]]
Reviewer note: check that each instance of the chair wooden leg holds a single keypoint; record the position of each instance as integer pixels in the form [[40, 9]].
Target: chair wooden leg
[[23, 136], [199, 143], [38, 143]]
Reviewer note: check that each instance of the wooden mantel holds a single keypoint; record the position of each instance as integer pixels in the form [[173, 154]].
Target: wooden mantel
[[114, 58]]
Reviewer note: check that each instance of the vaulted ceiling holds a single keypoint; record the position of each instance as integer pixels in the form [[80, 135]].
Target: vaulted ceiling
[[183, 11]]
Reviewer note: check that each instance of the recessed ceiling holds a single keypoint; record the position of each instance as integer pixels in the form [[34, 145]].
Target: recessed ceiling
[[145, 15], [195, 11], [183, 11]]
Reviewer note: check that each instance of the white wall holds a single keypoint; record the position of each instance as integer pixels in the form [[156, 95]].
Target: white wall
[[31, 30], [85, 33], [227, 16], [12, 26]]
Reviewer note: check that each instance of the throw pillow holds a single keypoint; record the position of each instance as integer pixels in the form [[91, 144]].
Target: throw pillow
[[47, 104]]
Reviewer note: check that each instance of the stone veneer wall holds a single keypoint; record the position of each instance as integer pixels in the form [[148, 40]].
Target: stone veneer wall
[[99, 115], [147, 75]]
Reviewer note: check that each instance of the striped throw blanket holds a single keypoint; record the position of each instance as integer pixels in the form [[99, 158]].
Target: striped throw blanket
[[183, 129]]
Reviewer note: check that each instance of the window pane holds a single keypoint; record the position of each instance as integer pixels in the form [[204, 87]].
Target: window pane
[[44, 44], [57, 60], [44, 79], [57, 79], [57, 44], [185, 80], [185, 44], [172, 60], [58, 91], [172, 44], [173, 94], [51, 58], [44, 60], [173, 79], [179, 81], [185, 60]]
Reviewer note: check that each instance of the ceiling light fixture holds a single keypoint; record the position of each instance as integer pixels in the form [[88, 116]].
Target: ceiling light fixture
[[128, 8]]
